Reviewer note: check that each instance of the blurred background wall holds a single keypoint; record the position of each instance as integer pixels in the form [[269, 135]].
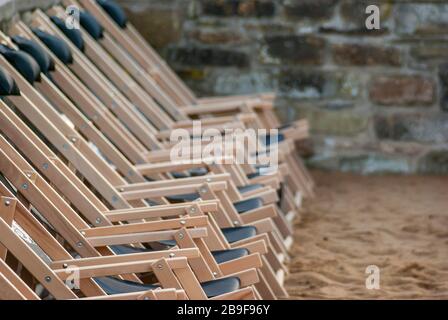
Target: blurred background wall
[[377, 100]]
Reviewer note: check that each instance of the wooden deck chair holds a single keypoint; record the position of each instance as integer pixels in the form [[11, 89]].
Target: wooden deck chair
[[94, 219], [106, 91], [287, 209], [139, 47], [51, 264], [132, 171]]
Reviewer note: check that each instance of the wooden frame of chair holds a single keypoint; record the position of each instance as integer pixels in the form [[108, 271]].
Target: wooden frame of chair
[[235, 215], [86, 70], [64, 179]]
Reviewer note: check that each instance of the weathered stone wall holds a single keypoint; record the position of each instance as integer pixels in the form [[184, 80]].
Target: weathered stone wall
[[377, 100]]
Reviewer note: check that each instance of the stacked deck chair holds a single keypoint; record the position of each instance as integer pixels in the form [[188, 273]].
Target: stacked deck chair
[[87, 185], [246, 202], [137, 95], [244, 237]]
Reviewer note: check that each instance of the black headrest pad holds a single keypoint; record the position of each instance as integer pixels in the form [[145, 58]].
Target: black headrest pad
[[23, 62], [92, 26], [73, 34], [56, 45], [39, 54], [114, 11], [8, 86]]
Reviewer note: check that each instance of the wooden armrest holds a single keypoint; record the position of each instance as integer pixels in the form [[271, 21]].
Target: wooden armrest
[[172, 224], [120, 268], [143, 237], [190, 253], [241, 264], [259, 214], [171, 191], [161, 211]]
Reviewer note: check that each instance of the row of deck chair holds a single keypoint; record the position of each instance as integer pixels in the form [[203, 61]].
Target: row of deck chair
[[91, 205]]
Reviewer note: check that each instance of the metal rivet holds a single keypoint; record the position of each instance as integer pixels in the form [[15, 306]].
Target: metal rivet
[[236, 223], [183, 222], [192, 209], [172, 255], [121, 190], [73, 139], [7, 203], [209, 179], [215, 274], [83, 233], [28, 175], [25, 186], [65, 266], [47, 279], [181, 235], [203, 190], [159, 266], [98, 220], [79, 244]]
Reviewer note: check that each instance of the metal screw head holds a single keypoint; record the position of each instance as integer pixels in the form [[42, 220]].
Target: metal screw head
[[73, 139], [83, 233], [98, 220], [25, 186], [181, 235], [79, 244], [28, 175], [7, 203], [121, 190], [47, 279], [65, 266], [236, 223], [159, 266], [183, 222], [203, 190], [209, 180], [215, 274], [172, 255], [192, 209]]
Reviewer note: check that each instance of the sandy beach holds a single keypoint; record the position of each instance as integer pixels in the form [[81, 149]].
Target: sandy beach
[[398, 223]]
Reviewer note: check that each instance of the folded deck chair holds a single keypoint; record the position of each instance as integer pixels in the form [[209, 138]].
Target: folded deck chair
[[42, 21], [129, 39], [233, 175], [242, 206], [98, 219]]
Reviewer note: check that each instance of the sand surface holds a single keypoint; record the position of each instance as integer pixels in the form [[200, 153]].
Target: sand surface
[[397, 223]]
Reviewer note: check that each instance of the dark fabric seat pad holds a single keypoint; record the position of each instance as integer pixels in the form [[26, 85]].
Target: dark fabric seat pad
[[91, 25], [250, 187], [212, 288], [248, 205], [73, 34], [7, 84], [39, 54], [23, 62], [239, 233], [114, 11], [58, 46]]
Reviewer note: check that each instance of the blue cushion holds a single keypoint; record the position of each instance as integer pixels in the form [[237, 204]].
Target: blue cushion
[[39, 54], [92, 26], [248, 205], [73, 34], [23, 62], [114, 11], [239, 233], [56, 45], [8, 86], [250, 187]]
